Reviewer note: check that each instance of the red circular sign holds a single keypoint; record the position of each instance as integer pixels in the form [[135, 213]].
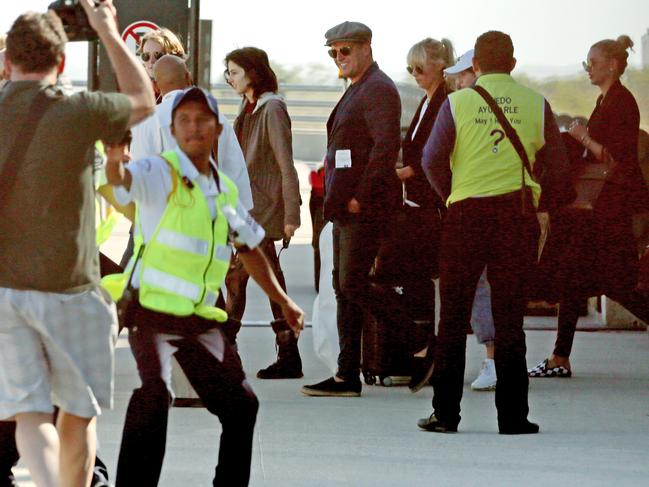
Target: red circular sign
[[134, 33]]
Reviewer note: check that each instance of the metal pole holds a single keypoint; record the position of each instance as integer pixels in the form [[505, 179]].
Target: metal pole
[[93, 72], [194, 29]]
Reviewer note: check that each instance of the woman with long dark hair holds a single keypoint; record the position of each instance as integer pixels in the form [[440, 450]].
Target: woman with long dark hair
[[263, 128], [599, 248]]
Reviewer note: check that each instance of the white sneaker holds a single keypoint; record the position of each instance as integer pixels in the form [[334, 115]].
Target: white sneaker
[[486, 380]]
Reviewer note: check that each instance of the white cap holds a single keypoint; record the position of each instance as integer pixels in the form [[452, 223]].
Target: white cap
[[463, 63]]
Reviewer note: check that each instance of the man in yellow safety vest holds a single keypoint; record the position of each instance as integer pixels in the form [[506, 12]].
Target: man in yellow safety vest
[[486, 167], [188, 217]]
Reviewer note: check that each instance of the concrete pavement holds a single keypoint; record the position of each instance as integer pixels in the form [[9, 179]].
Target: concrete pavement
[[594, 426]]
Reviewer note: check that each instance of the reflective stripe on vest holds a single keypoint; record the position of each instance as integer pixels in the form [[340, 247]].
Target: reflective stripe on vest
[[183, 242], [484, 162], [169, 282]]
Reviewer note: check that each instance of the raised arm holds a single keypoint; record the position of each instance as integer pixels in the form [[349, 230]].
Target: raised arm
[[131, 76]]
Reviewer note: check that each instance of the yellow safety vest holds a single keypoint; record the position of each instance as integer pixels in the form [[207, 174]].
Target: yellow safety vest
[[103, 226], [186, 261], [483, 161]]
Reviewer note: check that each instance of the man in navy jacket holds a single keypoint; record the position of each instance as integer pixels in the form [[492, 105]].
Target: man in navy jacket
[[361, 192]]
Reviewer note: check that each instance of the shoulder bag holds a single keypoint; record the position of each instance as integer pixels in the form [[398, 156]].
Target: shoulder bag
[[513, 137], [588, 177], [42, 101]]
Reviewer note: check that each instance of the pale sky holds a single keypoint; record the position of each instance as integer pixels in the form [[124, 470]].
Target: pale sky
[[550, 36]]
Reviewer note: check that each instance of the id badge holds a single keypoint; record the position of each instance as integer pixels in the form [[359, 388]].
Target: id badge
[[343, 159]]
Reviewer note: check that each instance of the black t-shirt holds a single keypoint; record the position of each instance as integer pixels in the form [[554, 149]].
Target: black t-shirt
[[47, 225]]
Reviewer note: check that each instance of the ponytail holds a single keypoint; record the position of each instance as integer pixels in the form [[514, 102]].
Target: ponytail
[[616, 49]]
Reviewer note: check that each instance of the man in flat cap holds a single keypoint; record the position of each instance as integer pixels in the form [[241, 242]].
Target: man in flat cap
[[361, 192]]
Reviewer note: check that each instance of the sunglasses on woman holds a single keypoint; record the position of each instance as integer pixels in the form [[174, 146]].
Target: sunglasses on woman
[[345, 51], [146, 56], [415, 69]]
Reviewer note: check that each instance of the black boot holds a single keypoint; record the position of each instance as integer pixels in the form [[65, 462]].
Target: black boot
[[289, 364]]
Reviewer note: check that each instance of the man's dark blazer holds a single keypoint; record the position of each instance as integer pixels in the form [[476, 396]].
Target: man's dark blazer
[[366, 121]]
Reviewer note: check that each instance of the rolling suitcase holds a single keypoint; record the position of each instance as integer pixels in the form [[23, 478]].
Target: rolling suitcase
[[388, 345]]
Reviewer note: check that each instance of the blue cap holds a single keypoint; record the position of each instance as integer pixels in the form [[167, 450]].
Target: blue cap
[[194, 93]]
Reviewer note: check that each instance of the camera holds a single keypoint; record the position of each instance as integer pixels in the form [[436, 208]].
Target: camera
[[75, 21]]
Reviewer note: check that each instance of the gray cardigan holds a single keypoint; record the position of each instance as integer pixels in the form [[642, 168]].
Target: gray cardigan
[[266, 141]]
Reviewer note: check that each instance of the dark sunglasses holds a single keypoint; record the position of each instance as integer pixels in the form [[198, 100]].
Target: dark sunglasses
[[146, 56], [345, 51], [415, 69]]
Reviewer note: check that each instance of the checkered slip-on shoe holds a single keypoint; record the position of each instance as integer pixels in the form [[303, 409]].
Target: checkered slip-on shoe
[[543, 370]]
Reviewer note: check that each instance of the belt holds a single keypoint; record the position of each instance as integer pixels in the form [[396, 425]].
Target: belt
[[500, 199]]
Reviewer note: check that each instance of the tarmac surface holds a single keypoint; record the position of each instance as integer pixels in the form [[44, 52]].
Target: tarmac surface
[[594, 426]]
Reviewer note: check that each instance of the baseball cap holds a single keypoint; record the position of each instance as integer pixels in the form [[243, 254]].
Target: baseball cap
[[194, 93], [464, 62]]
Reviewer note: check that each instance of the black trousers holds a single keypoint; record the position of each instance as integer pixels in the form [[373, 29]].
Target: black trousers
[[494, 232], [356, 244], [601, 259], [317, 222], [236, 282], [8, 453], [214, 370]]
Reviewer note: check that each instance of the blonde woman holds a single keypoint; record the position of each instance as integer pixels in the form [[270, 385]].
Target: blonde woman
[[600, 254], [415, 255], [156, 44]]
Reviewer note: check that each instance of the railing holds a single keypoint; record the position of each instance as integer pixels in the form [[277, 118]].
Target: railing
[[309, 107]]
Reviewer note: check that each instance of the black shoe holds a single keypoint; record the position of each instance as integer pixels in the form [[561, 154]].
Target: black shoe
[[100, 478], [282, 369], [525, 428], [422, 370], [331, 387], [431, 423]]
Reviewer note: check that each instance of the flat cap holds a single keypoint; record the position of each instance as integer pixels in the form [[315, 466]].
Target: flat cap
[[348, 31]]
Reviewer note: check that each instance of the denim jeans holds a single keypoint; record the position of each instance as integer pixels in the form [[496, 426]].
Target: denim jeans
[[237, 281]]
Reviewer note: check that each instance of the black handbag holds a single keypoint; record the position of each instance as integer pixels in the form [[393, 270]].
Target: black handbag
[[588, 178]]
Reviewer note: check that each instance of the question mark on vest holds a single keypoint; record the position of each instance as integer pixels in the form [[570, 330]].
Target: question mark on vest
[[501, 136]]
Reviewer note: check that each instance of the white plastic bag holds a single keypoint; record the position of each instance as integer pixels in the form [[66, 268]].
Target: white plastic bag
[[325, 325]]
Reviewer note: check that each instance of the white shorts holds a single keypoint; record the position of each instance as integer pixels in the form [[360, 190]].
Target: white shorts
[[56, 349]]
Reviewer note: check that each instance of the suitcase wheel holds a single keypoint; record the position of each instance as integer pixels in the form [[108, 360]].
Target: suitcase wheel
[[386, 381], [369, 378]]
